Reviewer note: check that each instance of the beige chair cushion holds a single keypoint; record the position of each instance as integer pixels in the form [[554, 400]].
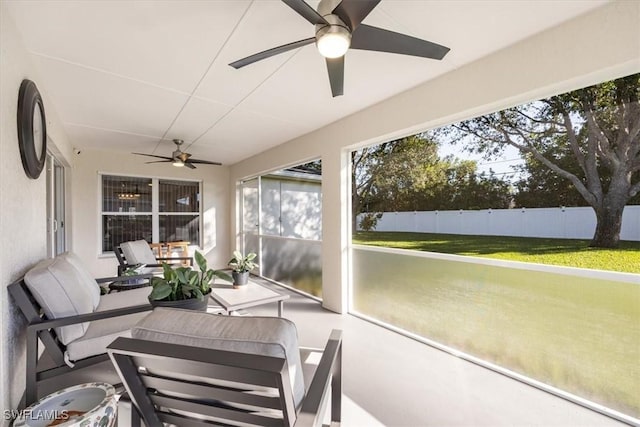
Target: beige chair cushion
[[61, 292], [267, 336], [138, 252], [87, 278], [101, 333], [125, 299]]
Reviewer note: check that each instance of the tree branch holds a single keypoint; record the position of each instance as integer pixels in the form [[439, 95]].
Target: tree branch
[[539, 121], [635, 188], [591, 160], [468, 130], [573, 141], [623, 140], [632, 122], [582, 189], [604, 147]]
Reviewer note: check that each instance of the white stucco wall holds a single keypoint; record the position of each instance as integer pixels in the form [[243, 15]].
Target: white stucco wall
[[23, 211], [600, 45], [86, 207]]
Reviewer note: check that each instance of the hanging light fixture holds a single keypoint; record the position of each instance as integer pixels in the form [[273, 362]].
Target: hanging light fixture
[[128, 196]]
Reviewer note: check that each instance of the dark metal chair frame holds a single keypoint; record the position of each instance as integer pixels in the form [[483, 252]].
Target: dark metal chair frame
[[41, 328], [154, 390], [123, 264]]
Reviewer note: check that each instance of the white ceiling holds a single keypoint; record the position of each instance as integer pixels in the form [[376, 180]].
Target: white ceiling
[[130, 76]]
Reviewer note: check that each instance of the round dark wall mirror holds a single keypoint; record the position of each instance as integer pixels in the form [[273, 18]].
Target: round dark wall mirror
[[32, 129]]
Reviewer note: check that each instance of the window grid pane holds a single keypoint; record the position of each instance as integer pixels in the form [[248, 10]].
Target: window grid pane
[[126, 194], [123, 228], [178, 228], [179, 196], [129, 214]]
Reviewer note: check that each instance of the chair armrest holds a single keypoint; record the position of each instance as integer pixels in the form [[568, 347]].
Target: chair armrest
[[124, 278], [81, 318], [329, 372], [168, 263], [182, 258]]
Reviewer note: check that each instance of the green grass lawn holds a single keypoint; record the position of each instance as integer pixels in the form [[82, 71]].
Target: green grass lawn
[[572, 253], [580, 334]]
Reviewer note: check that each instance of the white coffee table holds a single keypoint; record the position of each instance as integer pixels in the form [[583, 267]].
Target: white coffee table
[[249, 295]]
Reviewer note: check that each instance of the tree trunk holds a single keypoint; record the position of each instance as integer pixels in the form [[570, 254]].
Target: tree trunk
[[355, 202], [609, 211], [609, 223], [354, 214]]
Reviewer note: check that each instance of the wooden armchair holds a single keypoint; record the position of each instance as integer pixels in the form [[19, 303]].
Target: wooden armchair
[[65, 311], [197, 369], [139, 252]]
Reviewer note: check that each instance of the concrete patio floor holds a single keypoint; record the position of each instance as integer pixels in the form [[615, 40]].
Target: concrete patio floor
[[392, 380]]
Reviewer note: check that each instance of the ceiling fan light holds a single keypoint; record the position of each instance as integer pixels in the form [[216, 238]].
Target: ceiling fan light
[[333, 41], [178, 163]]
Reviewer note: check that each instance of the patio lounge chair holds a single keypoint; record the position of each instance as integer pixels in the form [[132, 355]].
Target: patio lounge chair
[[139, 252], [65, 311], [189, 368]]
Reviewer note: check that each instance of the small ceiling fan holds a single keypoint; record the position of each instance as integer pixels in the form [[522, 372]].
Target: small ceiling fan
[[179, 158], [338, 28]]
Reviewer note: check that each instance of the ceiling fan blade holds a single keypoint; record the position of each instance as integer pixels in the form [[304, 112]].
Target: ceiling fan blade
[[306, 11], [204, 162], [153, 155], [271, 52], [189, 165], [353, 12], [335, 67], [159, 161], [366, 37]]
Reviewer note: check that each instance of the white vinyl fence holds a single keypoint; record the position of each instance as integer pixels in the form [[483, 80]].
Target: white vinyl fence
[[563, 223]]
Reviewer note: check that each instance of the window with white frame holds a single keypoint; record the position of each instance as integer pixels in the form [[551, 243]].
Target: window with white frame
[[153, 209]]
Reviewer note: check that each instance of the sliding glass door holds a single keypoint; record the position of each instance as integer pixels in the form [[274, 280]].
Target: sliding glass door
[[281, 219], [56, 224]]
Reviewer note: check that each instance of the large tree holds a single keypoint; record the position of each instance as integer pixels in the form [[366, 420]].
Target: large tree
[[599, 126]]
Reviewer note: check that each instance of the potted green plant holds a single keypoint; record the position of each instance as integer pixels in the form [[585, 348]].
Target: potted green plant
[[241, 266], [184, 287]]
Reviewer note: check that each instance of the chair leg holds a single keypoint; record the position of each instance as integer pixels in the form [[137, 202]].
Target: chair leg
[[135, 416], [31, 386], [336, 390]]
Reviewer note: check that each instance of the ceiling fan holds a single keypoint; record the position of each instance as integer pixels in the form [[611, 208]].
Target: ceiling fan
[[338, 28], [179, 158]]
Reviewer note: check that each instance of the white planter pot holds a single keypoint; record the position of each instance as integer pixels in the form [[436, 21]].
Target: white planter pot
[[84, 405]]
